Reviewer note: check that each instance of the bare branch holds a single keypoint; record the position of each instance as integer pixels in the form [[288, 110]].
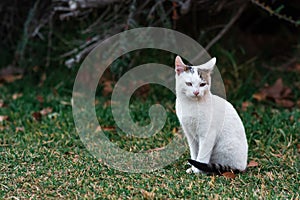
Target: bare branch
[[223, 31]]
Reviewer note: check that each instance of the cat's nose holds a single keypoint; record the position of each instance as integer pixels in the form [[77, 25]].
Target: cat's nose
[[196, 93]]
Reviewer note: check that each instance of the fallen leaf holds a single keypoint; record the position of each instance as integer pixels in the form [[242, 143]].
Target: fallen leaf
[[292, 118], [147, 195], [11, 74], [16, 96], [20, 129], [211, 183], [109, 128], [252, 164], [286, 92], [175, 130], [259, 96], [278, 155], [285, 103], [298, 146], [1, 103], [46, 111], [40, 98], [53, 115], [66, 103], [107, 88], [229, 175], [270, 175], [3, 118], [298, 103], [42, 80], [295, 67], [10, 78], [98, 129], [37, 116], [156, 149], [245, 105], [275, 90], [76, 158]]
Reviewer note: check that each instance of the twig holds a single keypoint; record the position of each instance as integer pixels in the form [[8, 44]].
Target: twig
[[23, 43], [222, 32], [49, 39], [272, 12]]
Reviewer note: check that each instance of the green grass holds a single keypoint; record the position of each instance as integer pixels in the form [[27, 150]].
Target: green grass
[[48, 159]]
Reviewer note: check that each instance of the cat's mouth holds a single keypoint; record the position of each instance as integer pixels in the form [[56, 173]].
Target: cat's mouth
[[197, 98]]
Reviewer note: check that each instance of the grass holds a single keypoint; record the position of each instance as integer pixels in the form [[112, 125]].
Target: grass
[[48, 160]]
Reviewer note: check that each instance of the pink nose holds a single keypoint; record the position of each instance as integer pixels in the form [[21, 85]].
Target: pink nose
[[196, 93]]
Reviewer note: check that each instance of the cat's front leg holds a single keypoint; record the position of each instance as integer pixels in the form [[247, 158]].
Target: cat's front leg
[[205, 148], [194, 146]]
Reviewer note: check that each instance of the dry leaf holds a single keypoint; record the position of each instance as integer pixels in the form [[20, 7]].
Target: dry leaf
[[275, 90], [229, 175], [298, 103], [156, 149], [10, 74], [107, 89], [37, 116], [147, 195], [270, 175], [294, 67], [252, 164], [20, 129], [46, 111], [211, 183], [67, 103], [76, 158], [53, 115], [245, 105], [16, 96], [298, 147], [3, 118], [42, 80], [285, 103], [11, 78], [259, 96], [98, 129], [109, 128], [292, 118], [1, 103], [277, 155], [40, 98], [175, 130], [2, 128]]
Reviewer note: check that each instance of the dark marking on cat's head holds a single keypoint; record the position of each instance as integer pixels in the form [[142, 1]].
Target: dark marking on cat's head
[[189, 68], [204, 75]]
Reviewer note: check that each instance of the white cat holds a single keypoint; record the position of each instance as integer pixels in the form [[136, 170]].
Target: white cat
[[213, 128]]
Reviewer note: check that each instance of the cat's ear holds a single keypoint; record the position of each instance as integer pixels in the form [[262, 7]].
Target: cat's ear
[[179, 65], [209, 65]]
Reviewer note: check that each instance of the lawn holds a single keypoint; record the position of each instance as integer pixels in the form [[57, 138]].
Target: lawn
[[42, 156]]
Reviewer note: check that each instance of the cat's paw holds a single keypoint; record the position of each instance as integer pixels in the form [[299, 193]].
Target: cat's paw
[[193, 170], [189, 170]]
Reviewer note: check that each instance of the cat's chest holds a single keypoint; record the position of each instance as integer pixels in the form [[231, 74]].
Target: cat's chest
[[193, 117]]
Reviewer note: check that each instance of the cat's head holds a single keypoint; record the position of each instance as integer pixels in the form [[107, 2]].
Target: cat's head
[[193, 81]]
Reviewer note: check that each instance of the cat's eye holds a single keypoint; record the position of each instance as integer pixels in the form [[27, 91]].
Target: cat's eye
[[188, 83], [202, 84]]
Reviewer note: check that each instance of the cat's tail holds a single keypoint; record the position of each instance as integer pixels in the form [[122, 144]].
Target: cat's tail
[[212, 168]]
